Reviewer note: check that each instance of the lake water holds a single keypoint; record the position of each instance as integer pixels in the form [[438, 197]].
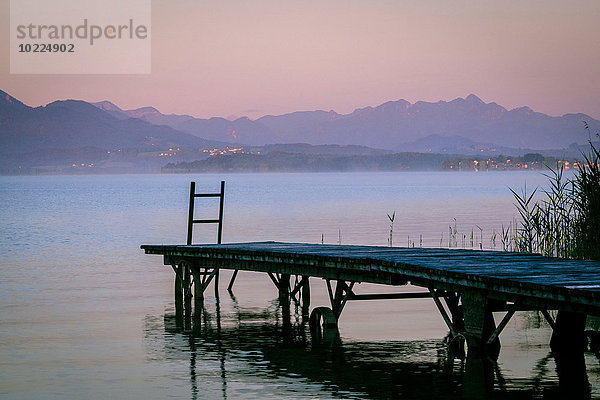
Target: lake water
[[84, 314]]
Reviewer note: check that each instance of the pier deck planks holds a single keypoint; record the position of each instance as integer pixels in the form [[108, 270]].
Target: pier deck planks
[[517, 277]]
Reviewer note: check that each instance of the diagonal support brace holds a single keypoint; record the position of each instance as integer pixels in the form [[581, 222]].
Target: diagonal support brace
[[442, 311], [502, 324]]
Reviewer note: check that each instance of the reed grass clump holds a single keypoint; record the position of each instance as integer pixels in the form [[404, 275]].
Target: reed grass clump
[[565, 222]]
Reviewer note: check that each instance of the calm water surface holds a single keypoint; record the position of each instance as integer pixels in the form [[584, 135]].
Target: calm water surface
[[85, 314]]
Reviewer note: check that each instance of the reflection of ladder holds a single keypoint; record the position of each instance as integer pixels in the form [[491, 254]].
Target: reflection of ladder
[[192, 221]]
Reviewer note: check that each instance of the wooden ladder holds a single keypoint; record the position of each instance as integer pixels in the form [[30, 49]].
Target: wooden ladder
[[192, 221]]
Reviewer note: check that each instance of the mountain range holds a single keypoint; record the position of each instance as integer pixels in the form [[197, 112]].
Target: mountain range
[[74, 124], [80, 132], [396, 125], [74, 132]]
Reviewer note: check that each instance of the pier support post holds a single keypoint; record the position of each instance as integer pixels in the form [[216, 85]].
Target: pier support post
[[568, 344], [202, 276], [198, 294], [284, 295], [284, 302], [479, 325], [187, 295], [300, 294], [568, 335], [478, 379], [216, 283], [305, 298], [178, 295]]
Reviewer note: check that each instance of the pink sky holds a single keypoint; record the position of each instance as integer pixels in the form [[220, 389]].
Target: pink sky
[[234, 58]]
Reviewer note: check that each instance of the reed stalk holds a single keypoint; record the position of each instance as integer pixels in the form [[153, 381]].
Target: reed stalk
[[564, 223]]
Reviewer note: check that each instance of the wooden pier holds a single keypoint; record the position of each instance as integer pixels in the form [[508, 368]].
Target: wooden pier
[[466, 285]]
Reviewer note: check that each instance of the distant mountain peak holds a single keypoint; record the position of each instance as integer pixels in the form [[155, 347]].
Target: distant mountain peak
[[137, 113], [474, 99], [470, 99], [143, 112], [8, 99], [398, 105], [146, 110], [525, 109], [106, 105], [72, 104], [363, 110]]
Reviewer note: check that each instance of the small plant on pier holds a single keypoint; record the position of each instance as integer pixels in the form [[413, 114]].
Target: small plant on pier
[[391, 218], [452, 235]]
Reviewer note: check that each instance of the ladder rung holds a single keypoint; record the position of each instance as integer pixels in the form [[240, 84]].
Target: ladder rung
[[205, 221], [207, 195]]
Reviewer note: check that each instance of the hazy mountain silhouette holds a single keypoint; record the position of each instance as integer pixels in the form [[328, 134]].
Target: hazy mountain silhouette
[[459, 126], [76, 132], [399, 125], [216, 128], [73, 124]]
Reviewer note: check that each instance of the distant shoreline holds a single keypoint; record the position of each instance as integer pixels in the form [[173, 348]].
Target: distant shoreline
[[290, 162], [281, 162]]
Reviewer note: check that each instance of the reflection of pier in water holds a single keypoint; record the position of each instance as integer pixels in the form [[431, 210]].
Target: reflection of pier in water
[[256, 341]]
